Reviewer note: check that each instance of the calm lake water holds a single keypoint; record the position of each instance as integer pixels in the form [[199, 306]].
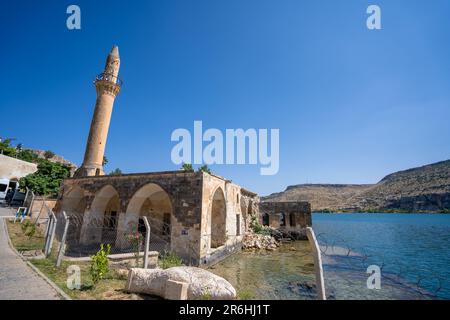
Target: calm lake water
[[412, 250]]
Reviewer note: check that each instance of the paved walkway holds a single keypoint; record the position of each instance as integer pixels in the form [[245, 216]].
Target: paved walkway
[[17, 280]]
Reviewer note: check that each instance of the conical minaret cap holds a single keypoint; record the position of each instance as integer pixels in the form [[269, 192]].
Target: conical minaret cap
[[114, 51]]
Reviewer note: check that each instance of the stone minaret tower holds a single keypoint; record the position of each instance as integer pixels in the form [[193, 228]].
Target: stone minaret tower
[[108, 86]]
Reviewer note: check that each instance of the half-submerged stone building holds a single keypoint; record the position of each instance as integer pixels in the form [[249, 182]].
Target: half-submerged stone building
[[199, 216]]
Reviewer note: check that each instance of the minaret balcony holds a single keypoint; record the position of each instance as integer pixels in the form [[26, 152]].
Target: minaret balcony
[[110, 78]]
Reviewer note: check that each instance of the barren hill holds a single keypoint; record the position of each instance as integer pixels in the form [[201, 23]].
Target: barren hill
[[425, 188]]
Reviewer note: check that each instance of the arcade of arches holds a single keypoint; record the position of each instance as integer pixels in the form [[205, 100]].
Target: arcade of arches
[[199, 216]]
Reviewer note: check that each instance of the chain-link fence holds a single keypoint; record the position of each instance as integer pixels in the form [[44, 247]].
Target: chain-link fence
[[74, 235], [83, 236]]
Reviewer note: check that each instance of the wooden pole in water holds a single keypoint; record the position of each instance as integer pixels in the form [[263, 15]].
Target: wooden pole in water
[[320, 283]]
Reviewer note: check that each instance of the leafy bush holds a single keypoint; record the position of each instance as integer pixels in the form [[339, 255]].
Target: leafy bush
[[28, 228], [47, 179], [204, 168], [169, 260], [187, 167], [6, 148], [100, 264], [116, 172], [27, 155], [258, 228]]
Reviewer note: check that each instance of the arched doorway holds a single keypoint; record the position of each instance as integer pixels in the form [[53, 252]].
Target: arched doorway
[[218, 219], [153, 202], [74, 202], [265, 219], [100, 223], [74, 205]]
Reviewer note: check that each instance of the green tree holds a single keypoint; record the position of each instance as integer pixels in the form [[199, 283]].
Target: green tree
[[105, 161], [187, 167], [6, 147], [100, 264], [116, 172], [204, 168], [27, 155], [47, 179]]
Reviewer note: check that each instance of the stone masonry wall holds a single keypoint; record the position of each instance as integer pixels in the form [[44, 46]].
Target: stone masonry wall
[[300, 211], [183, 188]]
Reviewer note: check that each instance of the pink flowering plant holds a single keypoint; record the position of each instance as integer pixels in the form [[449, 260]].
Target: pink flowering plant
[[135, 238]]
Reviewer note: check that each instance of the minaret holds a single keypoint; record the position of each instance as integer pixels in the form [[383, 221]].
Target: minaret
[[108, 86]]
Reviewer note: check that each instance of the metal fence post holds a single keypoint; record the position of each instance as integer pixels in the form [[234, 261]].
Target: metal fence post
[[51, 236], [62, 246], [47, 233], [320, 283], [147, 241], [30, 207]]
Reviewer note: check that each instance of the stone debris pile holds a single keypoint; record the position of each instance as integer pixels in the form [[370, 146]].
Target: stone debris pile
[[259, 241]]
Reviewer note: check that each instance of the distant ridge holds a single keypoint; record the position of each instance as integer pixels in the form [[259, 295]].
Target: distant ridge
[[421, 189]]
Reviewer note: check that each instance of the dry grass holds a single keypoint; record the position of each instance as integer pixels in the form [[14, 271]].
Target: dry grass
[[110, 288], [21, 241]]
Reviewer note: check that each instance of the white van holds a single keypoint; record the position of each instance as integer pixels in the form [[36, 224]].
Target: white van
[[5, 185]]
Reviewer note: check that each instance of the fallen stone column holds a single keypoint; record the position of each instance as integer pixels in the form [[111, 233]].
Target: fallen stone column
[[182, 283]]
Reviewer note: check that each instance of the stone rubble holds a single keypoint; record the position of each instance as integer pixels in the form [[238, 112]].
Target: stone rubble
[[259, 241]]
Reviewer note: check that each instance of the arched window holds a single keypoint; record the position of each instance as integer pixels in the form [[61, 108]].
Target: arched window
[[218, 219], [282, 219], [265, 219]]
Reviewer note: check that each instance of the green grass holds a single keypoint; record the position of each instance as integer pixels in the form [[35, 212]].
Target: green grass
[[111, 287], [169, 260], [23, 242], [245, 294]]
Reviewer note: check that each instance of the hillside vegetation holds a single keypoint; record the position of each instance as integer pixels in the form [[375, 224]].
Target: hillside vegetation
[[422, 189]]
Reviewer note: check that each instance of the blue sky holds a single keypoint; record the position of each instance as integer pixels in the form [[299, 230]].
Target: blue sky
[[352, 104]]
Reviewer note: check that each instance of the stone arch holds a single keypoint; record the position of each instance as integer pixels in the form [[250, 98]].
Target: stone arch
[[152, 201], [100, 222], [74, 204], [218, 218]]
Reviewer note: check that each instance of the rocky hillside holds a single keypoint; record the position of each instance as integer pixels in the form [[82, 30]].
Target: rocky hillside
[[419, 189], [55, 158]]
